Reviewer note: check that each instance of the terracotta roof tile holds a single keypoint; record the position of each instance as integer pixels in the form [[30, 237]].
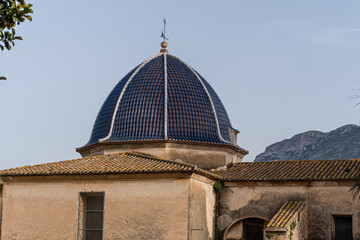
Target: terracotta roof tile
[[286, 214], [322, 170], [304, 170], [108, 164]]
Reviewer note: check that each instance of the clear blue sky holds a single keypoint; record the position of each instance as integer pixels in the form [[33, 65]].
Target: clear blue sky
[[280, 67]]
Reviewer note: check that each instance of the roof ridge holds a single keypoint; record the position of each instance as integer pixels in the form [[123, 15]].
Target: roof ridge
[[151, 157], [193, 167], [303, 160], [305, 170], [121, 162], [137, 154], [42, 164]]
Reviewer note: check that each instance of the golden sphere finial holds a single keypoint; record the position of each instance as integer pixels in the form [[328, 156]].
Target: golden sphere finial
[[164, 46]]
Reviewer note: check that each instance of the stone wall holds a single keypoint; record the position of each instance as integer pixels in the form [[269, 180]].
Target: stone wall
[[263, 199], [206, 156], [202, 208], [136, 207]]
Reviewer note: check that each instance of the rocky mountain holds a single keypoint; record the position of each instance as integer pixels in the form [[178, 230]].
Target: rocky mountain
[[341, 143]]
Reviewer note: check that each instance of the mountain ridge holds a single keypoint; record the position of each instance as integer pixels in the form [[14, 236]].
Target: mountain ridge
[[341, 143]]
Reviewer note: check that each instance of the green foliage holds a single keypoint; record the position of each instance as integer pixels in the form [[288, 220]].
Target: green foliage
[[269, 235], [217, 186], [12, 13], [293, 225], [2, 78], [356, 188]]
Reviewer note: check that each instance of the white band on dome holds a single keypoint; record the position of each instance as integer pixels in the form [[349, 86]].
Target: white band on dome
[[166, 100], [212, 104], [208, 94], [121, 95]]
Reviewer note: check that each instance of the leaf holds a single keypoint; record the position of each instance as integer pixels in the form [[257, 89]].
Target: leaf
[[12, 13], [7, 45]]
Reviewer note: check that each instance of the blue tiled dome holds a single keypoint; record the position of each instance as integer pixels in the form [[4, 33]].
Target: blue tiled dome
[[162, 99]]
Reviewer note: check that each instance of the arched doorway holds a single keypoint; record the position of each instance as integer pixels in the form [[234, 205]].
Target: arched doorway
[[253, 229], [246, 229]]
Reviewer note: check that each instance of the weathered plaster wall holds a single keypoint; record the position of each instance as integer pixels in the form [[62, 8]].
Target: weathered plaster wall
[[235, 231], [202, 209], [206, 157], [300, 227], [241, 201], [264, 199], [324, 201], [134, 209]]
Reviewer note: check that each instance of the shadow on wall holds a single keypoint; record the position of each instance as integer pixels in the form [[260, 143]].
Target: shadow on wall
[[235, 222], [248, 228]]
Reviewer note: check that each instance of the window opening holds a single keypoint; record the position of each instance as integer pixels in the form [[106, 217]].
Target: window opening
[[91, 216]]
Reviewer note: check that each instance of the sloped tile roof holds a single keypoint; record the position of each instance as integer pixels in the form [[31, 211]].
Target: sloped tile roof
[[108, 164], [286, 214], [304, 170]]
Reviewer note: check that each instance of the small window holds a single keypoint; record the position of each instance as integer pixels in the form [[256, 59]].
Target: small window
[[91, 216], [343, 227]]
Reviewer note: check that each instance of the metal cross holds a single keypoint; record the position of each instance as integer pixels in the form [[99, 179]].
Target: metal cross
[[163, 32]]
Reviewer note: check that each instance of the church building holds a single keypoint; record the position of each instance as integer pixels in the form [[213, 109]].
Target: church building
[[163, 163]]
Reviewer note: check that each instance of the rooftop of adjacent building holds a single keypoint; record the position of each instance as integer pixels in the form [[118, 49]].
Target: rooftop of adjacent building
[[286, 214], [130, 163]]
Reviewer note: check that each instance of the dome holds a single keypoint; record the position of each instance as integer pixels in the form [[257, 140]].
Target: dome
[[164, 108], [162, 99]]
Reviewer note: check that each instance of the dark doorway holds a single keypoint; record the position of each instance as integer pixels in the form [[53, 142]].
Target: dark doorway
[[253, 229], [343, 228]]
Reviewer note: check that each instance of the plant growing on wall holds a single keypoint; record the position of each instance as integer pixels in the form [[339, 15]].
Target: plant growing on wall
[[292, 227], [356, 188], [217, 186]]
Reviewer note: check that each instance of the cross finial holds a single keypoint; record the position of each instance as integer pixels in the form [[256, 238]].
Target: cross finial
[[164, 43], [163, 32]]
